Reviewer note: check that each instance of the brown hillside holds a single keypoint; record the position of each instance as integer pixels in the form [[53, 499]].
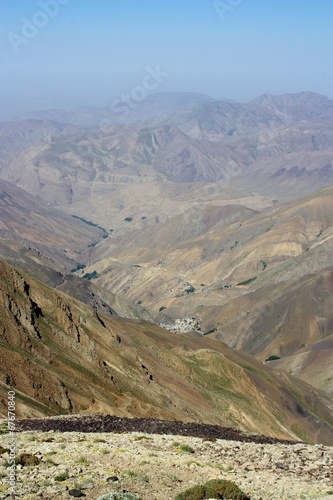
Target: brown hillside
[[75, 361]]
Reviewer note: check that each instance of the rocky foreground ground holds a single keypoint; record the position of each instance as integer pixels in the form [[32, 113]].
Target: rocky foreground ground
[[159, 466]]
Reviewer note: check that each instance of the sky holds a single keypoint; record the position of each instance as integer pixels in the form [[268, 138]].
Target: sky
[[66, 53]]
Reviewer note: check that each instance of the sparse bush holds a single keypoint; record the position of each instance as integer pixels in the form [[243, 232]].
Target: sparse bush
[[183, 448], [62, 477], [272, 358], [3, 450], [220, 488], [78, 268], [195, 493], [161, 308], [27, 460], [247, 282], [210, 331], [89, 223], [131, 473], [49, 461], [215, 488], [90, 276]]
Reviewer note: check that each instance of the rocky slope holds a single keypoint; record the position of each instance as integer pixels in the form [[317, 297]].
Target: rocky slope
[[75, 360], [45, 231], [157, 466], [251, 278]]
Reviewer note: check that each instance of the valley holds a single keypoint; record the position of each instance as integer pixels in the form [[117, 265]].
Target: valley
[[173, 263]]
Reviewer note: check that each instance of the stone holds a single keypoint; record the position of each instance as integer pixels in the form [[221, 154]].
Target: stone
[[76, 493], [112, 479]]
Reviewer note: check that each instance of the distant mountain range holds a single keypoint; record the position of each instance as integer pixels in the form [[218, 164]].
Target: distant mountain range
[[211, 218]]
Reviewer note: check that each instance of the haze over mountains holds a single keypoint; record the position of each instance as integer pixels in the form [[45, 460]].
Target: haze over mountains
[[212, 218]]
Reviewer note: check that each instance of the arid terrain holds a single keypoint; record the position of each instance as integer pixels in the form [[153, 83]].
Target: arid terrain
[[172, 263], [156, 466]]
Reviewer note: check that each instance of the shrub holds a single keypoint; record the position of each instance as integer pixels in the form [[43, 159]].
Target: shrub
[[27, 460], [246, 282], [272, 358], [215, 488], [194, 493], [119, 496], [50, 462], [183, 448], [210, 331], [220, 488], [78, 268], [62, 477], [89, 276]]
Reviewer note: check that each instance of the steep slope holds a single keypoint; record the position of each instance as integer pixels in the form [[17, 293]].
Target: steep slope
[[280, 320], [221, 250], [261, 282], [57, 236], [75, 361], [98, 298], [304, 363]]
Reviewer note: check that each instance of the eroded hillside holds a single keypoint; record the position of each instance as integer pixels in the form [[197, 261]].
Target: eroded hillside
[[77, 361]]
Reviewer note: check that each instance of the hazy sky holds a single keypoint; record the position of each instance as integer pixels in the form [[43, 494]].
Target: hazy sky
[[60, 53]]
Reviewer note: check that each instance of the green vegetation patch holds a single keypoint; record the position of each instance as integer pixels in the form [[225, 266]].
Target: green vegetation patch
[[272, 358], [90, 276], [89, 223], [78, 268], [211, 331], [215, 488], [62, 477], [247, 282]]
